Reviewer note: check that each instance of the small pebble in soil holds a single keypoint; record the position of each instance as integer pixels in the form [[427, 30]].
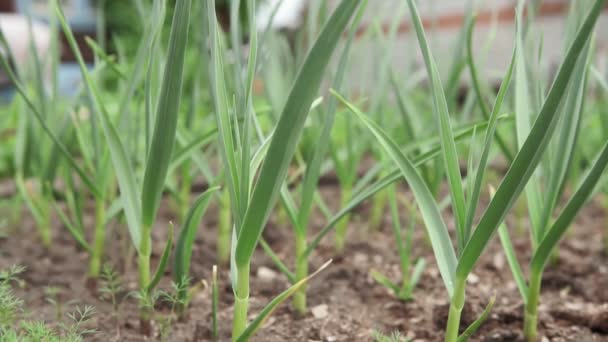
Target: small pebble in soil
[[416, 320], [266, 274], [320, 311], [573, 306], [498, 262], [360, 258]]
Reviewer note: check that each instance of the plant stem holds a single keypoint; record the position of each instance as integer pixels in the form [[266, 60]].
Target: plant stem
[[16, 209], [606, 242], [98, 239], [214, 304], [144, 281], [456, 305], [531, 314], [377, 212], [241, 302], [184, 194], [282, 218], [223, 234], [45, 232], [604, 202], [343, 224], [405, 257], [144, 260], [44, 227], [299, 298]]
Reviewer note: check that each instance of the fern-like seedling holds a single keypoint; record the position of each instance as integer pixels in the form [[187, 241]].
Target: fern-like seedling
[[393, 337], [10, 306]]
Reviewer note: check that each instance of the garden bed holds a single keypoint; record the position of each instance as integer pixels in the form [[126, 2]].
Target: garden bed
[[346, 303]]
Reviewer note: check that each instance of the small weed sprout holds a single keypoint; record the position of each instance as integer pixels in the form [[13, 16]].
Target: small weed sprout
[[146, 300], [37, 331], [409, 279], [395, 336], [175, 301], [12, 275], [111, 287], [10, 306], [78, 319], [52, 297]]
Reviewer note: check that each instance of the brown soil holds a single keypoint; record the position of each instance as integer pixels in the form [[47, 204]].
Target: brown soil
[[574, 305]]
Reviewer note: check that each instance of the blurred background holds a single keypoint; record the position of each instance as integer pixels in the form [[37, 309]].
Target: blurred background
[[118, 21]]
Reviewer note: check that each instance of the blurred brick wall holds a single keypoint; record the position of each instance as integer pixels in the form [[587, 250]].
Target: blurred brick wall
[[7, 5], [443, 20]]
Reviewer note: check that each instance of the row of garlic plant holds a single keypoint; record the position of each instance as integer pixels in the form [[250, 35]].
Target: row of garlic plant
[[106, 159], [345, 157], [253, 198], [239, 179], [455, 266]]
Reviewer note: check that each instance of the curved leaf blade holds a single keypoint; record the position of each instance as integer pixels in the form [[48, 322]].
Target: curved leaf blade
[[288, 132], [490, 136], [435, 226], [313, 165], [569, 212], [187, 234], [364, 192], [442, 115], [529, 156], [123, 169], [257, 323], [471, 329], [163, 138], [164, 260]]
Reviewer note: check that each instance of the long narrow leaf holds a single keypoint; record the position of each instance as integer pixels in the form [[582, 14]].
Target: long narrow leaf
[[21, 90], [529, 156], [122, 166], [277, 261], [490, 133], [222, 114], [76, 233], [288, 132], [436, 228], [471, 329], [163, 138], [365, 192], [187, 234], [313, 168], [569, 212], [477, 88], [187, 151], [164, 261], [440, 108], [523, 115], [571, 123], [514, 265]]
